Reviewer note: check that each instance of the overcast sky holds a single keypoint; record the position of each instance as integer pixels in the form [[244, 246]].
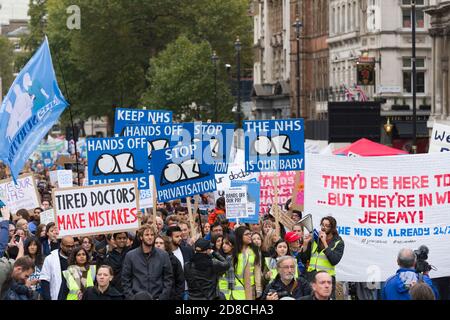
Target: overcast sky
[[13, 9]]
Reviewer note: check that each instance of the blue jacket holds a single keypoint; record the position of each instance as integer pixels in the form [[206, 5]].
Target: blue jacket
[[397, 287], [4, 236]]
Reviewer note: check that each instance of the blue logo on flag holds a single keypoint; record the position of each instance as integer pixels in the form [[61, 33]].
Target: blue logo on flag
[[32, 106]]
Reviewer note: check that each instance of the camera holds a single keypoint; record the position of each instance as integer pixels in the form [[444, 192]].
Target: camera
[[421, 262], [281, 294], [17, 238]]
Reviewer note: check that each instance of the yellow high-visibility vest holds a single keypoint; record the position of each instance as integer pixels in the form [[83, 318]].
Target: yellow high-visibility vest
[[73, 286], [239, 291], [319, 260]]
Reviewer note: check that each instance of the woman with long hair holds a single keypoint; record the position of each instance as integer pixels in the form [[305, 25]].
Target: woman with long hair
[[217, 240], [79, 275], [247, 270], [50, 242], [281, 249], [88, 243], [32, 249], [103, 290], [227, 280], [268, 243]]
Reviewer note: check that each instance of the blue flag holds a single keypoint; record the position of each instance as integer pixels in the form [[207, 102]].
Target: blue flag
[[33, 104]]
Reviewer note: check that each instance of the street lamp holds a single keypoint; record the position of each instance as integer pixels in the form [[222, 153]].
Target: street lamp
[[414, 75], [237, 46], [297, 25], [214, 59]]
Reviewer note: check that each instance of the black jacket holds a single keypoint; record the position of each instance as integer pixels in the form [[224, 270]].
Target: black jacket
[[115, 260], [187, 252], [178, 276], [150, 273], [202, 274], [301, 289], [92, 293], [333, 255]]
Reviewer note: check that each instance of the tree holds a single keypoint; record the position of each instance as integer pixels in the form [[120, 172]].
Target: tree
[[181, 79], [6, 64]]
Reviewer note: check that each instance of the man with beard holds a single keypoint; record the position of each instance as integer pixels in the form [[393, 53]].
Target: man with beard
[[51, 273], [285, 285], [183, 254], [325, 252], [147, 269], [115, 258]]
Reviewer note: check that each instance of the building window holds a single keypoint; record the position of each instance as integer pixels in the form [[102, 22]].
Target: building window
[[407, 17], [407, 75]]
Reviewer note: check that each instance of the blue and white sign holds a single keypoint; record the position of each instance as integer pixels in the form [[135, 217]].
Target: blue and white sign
[[124, 117], [253, 197], [118, 159], [32, 106], [274, 145], [183, 171]]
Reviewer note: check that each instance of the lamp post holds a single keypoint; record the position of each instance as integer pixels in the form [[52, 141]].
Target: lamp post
[[237, 46], [297, 25], [214, 59], [414, 76]]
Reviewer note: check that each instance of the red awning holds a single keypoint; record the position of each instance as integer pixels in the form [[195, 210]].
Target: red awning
[[366, 148]]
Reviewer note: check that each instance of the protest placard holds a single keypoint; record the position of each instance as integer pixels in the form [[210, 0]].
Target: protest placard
[[96, 209], [65, 178], [125, 117], [285, 189], [146, 196], [253, 196], [47, 216], [274, 145], [382, 204], [183, 171], [440, 138], [22, 195], [236, 202], [118, 159]]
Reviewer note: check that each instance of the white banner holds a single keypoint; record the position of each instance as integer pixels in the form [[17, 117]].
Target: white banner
[[236, 202], [65, 178], [22, 195], [382, 204], [146, 196], [440, 138], [96, 210], [47, 216]]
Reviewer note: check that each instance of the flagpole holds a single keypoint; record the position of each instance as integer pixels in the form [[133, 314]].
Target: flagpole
[[71, 117]]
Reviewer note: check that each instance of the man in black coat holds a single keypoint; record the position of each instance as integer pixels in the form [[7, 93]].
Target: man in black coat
[[321, 286], [285, 285], [203, 271]]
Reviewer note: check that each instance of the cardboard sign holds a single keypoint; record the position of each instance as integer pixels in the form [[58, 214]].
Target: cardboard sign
[[53, 177], [183, 171], [253, 199], [22, 195], [118, 159], [274, 145], [47, 216], [381, 205], [236, 202], [124, 117], [440, 138], [96, 209], [65, 178]]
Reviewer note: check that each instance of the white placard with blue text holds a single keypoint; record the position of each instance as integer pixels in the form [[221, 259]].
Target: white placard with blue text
[[118, 159], [274, 145], [440, 138], [183, 171], [125, 117]]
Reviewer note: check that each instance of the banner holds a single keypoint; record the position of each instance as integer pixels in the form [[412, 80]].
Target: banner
[[440, 138], [96, 209], [22, 195], [382, 204], [183, 171], [47, 216], [274, 145], [253, 195], [32, 106], [124, 117], [146, 196], [236, 202], [286, 181], [118, 159], [65, 178]]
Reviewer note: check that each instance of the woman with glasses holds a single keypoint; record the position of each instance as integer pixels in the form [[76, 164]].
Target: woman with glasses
[[247, 269]]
